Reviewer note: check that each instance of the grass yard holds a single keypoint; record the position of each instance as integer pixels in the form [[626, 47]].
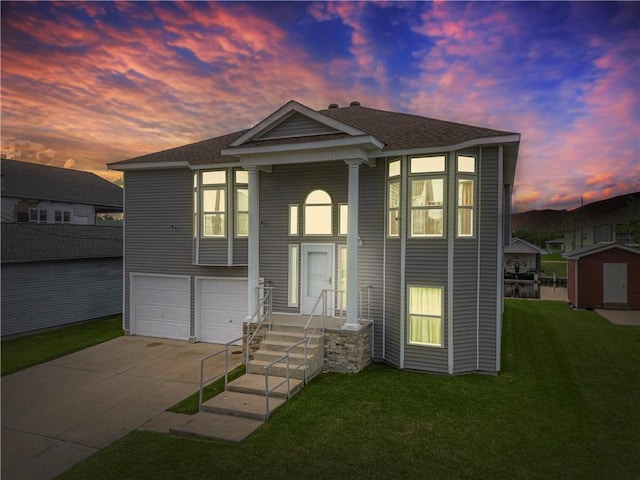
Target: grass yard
[[565, 406], [554, 263], [29, 350]]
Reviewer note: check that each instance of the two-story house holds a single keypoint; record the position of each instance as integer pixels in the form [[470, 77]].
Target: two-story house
[[60, 263], [409, 212]]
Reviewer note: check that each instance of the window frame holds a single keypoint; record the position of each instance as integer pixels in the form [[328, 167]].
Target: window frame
[[293, 289], [240, 185], [343, 214], [40, 215], [393, 212], [466, 176], [208, 187], [411, 314], [416, 175], [294, 220], [306, 215]]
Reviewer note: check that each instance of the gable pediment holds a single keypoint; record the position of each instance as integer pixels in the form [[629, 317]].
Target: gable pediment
[[294, 120]]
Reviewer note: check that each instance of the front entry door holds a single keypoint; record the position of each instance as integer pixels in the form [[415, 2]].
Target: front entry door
[[317, 275], [615, 282]]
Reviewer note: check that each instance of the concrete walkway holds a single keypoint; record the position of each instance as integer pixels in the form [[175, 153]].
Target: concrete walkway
[[622, 317], [60, 412]]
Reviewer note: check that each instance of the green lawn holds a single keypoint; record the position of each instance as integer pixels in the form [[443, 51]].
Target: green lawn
[[565, 406], [554, 263], [29, 350]]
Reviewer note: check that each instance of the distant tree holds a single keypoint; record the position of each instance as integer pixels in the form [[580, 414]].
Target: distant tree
[[631, 228], [536, 236]]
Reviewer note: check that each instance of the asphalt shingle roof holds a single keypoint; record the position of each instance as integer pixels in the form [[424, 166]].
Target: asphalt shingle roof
[[42, 182], [396, 130], [27, 242]]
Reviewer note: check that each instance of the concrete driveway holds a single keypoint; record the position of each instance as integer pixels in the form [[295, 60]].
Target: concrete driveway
[[60, 412]]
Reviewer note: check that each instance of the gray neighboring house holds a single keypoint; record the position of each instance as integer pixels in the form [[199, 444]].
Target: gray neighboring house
[[54, 270], [409, 212]]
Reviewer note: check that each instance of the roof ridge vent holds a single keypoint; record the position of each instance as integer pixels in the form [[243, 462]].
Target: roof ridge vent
[[354, 104], [334, 105]]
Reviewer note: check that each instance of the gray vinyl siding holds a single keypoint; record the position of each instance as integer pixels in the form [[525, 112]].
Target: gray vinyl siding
[[42, 295], [155, 200], [371, 221], [297, 125], [427, 265], [489, 235], [392, 322], [213, 251], [240, 251], [506, 216], [286, 185], [465, 288]]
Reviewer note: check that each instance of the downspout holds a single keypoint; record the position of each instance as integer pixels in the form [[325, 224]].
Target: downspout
[[499, 258], [403, 251], [478, 215]]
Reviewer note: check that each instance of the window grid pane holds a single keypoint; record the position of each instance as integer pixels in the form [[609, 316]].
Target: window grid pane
[[425, 316], [394, 168], [214, 225], [466, 164], [293, 220], [317, 220], [344, 220], [427, 164], [217, 177], [293, 275]]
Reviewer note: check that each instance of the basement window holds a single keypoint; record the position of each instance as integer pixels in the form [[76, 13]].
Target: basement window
[[425, 316]]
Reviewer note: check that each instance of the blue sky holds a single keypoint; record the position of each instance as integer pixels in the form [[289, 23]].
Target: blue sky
[[85, 84]]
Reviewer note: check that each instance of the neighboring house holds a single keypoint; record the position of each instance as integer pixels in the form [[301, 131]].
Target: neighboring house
[[53, 275], [33, 193], [58, 266], [555, 246], [408, 211], [605, 275], [601, 221], [522, 269]]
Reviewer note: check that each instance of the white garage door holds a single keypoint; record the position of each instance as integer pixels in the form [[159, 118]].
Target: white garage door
[[222, 307], [160, 306]]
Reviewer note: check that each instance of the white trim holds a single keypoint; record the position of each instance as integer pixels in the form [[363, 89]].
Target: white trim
[[298, 276], [352, 322], [485, 141], [367, 142], [404, 182], [214, 166], [450, 228], [479, 260], [285, 112], [500, 259], [253, 247], [148, 165]]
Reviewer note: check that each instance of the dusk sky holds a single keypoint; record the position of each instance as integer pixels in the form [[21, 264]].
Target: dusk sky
[[86, 84]]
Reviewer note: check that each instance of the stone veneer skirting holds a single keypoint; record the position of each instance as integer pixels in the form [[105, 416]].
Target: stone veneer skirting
[[345, 351]]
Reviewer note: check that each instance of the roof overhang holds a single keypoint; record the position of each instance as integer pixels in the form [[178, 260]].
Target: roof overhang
[[598, 248], [147, 166]]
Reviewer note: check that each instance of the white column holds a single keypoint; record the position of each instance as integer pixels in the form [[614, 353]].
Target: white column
[[254, 241], [352, 247]]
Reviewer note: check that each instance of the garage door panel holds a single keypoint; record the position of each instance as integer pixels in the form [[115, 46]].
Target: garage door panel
[[222, 308], [161, 306]]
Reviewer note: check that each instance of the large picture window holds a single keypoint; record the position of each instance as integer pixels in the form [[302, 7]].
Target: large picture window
[[425, 316], [427, 196]]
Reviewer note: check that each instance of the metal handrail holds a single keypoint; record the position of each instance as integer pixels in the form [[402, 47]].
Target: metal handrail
[[264, 301]]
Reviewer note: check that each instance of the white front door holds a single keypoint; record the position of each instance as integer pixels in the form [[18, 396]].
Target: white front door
[[615, 282], [317, 275]]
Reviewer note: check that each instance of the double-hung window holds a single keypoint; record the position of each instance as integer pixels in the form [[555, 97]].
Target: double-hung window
[[427, 181], [393, 199], [466, 170], [425, 316], [214, 203], [37, 215], [242, 203], [62, 216]]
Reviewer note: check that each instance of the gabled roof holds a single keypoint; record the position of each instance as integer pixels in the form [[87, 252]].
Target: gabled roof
[[381, 132], [518, 245], [26, 180], [597, 248], [28, 242]]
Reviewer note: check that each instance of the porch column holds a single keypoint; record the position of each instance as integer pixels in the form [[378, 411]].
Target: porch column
[[254, 242], [352, 247]]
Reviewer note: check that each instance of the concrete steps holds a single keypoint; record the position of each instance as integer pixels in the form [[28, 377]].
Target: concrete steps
[[244, 399]]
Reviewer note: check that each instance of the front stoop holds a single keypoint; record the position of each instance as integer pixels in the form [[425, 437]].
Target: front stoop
[[235, 413]]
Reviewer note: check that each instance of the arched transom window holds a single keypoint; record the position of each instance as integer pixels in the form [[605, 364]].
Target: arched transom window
[[318, 213]]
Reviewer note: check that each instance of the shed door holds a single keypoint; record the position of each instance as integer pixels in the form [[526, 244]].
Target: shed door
[[615, 282], [160, 306], [222, 308]]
